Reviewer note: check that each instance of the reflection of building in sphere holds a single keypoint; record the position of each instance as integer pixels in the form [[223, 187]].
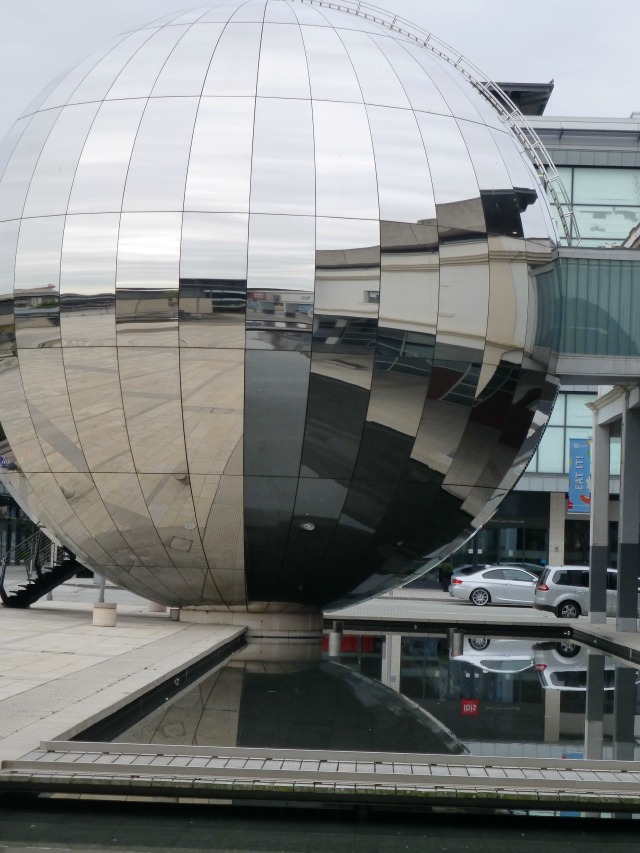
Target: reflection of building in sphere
[[323, 706], [267, 309]]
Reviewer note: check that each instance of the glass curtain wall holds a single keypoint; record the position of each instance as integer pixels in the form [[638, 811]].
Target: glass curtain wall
[[606, 202], [570, 419]]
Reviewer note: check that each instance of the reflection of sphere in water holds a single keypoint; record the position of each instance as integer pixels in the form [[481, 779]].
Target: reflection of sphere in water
[[273, 311], [325, 706]]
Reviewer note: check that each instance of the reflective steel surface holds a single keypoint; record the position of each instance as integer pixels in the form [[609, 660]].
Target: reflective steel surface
[[268, 317]]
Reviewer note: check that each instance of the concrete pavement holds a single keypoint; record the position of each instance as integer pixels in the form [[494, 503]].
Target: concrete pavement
[[58, 671]]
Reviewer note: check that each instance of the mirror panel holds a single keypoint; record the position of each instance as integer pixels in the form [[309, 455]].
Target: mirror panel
[[378, 80], [8, 245], [16, 422], [283, 168], [138, 77], [346, 183], [404, 183], [23, 161], [147, 279], [283, 71], [234, 65], [37, 282], [347, 285], [93, 383], [87, 280], [158, 166], [331, 72], [47, 395], [99, 80], [212, 383], [171, 509], [152, 409], [122, 495], [98, 185], [53, 175], [219, 172], [280, 273], [185, 70], [276, 387], [422, 93], [213, 279]]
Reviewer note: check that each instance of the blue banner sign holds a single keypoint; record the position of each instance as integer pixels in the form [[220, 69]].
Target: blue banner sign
[[579, 475]]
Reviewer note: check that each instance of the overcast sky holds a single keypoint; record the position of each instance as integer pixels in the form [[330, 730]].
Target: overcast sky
[[591, 48]]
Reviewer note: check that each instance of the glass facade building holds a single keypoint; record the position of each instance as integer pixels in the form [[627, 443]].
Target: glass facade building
[[590, 309]]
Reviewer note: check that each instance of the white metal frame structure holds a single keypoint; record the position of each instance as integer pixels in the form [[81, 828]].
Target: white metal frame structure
[[507, 110]]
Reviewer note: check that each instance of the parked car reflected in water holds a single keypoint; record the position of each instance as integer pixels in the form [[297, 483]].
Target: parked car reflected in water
[[563, 666], [500, 655]]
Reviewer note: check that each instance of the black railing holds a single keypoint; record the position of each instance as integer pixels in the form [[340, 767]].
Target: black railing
[[46, 567], [33, 553]]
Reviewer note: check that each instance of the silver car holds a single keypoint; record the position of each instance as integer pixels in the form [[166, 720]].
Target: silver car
[[564, 590], [494, 585], [563, 666], [496, 655]]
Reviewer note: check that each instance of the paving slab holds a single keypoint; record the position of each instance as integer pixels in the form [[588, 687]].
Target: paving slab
[[59, 672]]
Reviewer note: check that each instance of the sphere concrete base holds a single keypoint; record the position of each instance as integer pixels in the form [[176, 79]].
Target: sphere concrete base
[[271, 637]]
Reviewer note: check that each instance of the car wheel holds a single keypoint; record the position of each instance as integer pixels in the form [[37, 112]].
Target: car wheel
[[479, 643], [480, 597], [567, 650], [569, 610]]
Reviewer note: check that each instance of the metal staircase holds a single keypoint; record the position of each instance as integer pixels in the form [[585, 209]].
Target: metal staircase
[[46, 567]]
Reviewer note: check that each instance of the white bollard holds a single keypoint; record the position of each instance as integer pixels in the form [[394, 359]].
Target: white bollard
[[104, 614]]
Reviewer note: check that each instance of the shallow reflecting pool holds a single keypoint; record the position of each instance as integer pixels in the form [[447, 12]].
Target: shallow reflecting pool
[[436, 693]]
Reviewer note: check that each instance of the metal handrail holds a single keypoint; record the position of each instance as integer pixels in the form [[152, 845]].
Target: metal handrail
[[505, 107], [33, 552]]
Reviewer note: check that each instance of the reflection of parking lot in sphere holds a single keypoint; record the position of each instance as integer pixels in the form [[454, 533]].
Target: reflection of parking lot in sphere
[[271, 305]]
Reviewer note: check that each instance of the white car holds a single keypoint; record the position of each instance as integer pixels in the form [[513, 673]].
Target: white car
[[496, 654], [494, 585], [563, 666]]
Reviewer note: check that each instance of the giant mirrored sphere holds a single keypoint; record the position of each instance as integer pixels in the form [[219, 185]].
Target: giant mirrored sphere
[[268, 313]]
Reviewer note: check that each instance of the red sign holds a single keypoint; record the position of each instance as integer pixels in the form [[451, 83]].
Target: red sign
[[470, 707]]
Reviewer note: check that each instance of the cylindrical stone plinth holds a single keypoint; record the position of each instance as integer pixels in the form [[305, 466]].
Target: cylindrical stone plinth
[[283, 634], [104, 614]]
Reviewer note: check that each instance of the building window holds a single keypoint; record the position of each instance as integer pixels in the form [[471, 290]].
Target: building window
[[570, 419], [606, 202], [372, 296]]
